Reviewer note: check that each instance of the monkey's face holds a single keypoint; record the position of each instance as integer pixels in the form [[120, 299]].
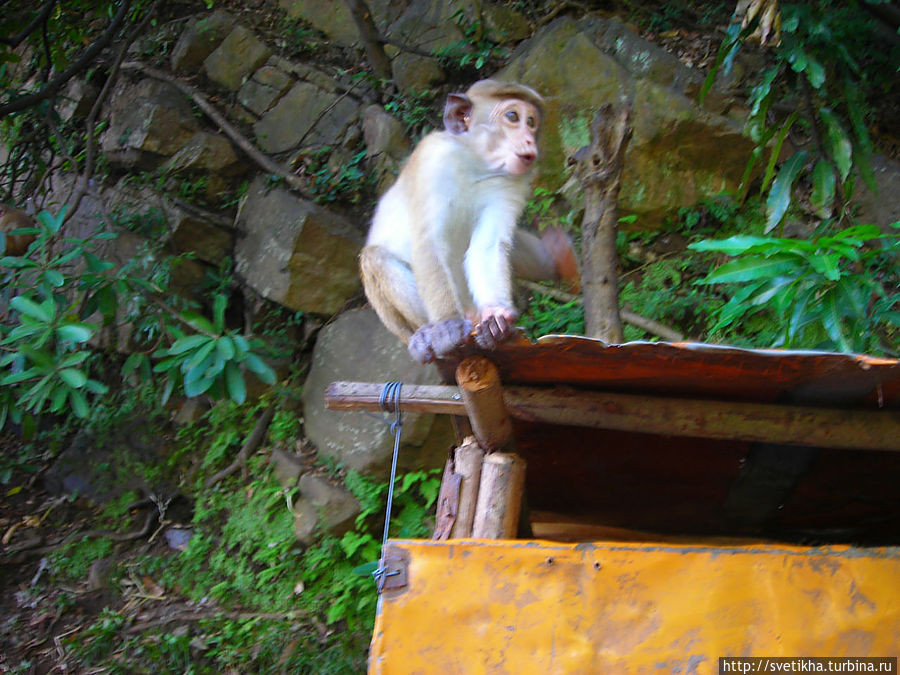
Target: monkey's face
[[515, 148]]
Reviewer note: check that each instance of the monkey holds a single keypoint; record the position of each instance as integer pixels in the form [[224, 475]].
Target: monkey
[[14, 219], [443, 243]]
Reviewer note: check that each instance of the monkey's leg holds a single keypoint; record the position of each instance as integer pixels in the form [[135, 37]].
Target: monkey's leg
[[391, 290]]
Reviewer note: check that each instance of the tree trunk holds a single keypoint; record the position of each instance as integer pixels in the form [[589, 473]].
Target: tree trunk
[[599, 169], [368, 33]]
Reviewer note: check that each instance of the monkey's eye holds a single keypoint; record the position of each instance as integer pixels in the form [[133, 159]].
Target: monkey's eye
[[531, 123], [512, 116]]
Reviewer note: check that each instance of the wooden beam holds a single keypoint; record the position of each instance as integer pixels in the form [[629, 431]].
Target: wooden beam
[[479, 384], [737, 420]]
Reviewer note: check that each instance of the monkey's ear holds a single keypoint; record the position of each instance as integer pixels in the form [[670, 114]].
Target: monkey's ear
[[456, 113]]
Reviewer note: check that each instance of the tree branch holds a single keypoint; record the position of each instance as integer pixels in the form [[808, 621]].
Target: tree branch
[[80, 64]]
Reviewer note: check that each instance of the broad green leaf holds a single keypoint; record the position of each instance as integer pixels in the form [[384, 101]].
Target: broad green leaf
[[51, 222], [225, 347], [185, 344], [733, 245], [219, 304], [42, 312], [96, 387], [780, 195], [200, 355], [776, 151], [197, 387], [54, 278], [168, 387], [241, 345], [822, 196], [59, 399], [75, 332], [839, 144], [827, 265], [262, 370], [199, 323], [70, 255], [815, 73], [73, 359], [72, 377], [79, 403], [751, 269], [234, 380], [831, 321], [15, 262]]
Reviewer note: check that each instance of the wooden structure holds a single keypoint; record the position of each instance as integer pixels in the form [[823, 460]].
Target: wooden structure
[[694, 479]]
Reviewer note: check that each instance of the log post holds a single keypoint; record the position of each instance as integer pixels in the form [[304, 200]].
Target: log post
[[479, 385], [499, 497], [468, 461]]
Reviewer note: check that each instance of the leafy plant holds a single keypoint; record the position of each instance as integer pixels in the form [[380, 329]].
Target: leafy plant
[[210, 360], [350, 182], [547, 316], [828, 290], [819, 59], [475, 50]]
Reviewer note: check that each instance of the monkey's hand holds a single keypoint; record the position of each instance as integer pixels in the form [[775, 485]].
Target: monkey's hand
[[435, 341], [496, 325]]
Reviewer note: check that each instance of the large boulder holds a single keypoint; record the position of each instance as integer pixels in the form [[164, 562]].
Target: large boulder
[[357, 347], [199, 39], [148, 122], [235, 59], [307, 115], [294, 252], [680, 152]]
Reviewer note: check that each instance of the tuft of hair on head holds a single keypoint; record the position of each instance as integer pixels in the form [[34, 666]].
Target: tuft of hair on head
[[498, 89]]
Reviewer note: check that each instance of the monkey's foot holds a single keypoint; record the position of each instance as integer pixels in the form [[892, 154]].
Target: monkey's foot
[[494, 329], [435, 341]]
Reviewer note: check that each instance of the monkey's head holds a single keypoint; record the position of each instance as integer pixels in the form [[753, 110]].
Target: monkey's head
[[500, 120]]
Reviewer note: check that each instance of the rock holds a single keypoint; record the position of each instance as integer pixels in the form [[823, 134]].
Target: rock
[[332, 18], [77, 99], [504, 24], [883, 208], [287, 467], [199, 39], [295, 252], [149, 121], [206, 153], [322, 506], [414, 73], [357, 347], [100, 573], [431, 24], [233, 61], [305, 114], [386, 144], [261, 91], [679, 153]]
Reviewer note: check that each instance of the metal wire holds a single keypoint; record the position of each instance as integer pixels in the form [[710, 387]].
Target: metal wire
[[389, 402]]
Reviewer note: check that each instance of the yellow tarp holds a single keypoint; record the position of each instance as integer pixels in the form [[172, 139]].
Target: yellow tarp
[[475, 606]]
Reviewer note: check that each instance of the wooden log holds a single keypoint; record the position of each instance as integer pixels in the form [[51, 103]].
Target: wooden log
[[468, 461], [479, 386], [735, 420], [499, 497]]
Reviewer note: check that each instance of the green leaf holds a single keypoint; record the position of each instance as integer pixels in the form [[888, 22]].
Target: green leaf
[[780, 195], [75, 332], [72, 377], [197, 387], [731, 246], [776, 150], [184, 344], [815, 72], [831, 321], [42, 312], [234, 380], [225, 347], [262, 370], [827, 265], [79, 403], [838, 142], [822, 197], [199, 323], [96, 387], [200, 355], [51, 222], [219, 304], [752, 269], [54, 278]]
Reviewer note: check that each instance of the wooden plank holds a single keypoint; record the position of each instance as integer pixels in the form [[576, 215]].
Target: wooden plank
[[499, 497], [738, 420]]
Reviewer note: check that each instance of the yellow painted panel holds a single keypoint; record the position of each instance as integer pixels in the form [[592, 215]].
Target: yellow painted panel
[[518, 607]]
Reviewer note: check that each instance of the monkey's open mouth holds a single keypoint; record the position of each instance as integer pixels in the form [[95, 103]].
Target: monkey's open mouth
[[528, 158]]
